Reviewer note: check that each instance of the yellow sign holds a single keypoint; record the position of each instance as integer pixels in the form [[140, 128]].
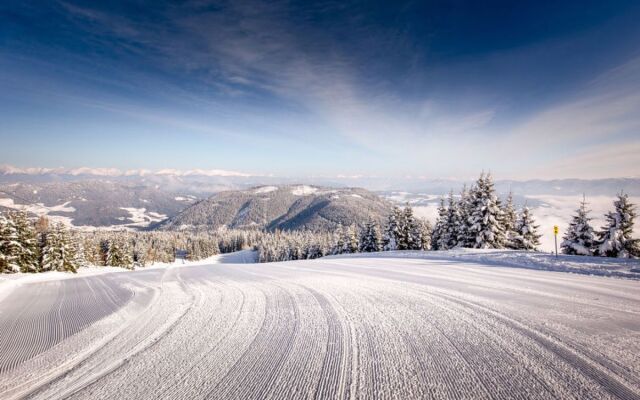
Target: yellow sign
[[555, 229]]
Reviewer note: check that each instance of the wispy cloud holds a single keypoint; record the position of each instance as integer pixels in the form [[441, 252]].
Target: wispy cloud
[[593, 133], [277, 76]]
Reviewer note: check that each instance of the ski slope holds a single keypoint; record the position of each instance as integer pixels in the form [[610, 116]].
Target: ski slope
[[355, 327]]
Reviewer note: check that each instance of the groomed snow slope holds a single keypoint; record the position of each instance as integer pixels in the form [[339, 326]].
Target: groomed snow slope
[[368, 327]]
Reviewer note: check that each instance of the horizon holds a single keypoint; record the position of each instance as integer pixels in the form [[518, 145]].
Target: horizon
[[526, 91]]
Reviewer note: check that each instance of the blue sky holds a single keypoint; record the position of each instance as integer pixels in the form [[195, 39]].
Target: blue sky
[[436, 89]]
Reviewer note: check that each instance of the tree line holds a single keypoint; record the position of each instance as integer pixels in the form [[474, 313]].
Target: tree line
[[476, 218]]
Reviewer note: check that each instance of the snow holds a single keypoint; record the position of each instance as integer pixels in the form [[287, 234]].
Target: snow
[[37, 208], [397, 326], [41, 209], [9, 282], [265, 189], [303, 190], [601, 266], [140, 217], [184, 198]]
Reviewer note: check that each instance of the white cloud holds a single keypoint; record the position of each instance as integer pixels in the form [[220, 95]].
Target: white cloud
[[11, 170], [593, 134]]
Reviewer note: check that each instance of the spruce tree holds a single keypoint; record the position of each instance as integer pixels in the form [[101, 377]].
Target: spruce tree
[[526, 235], [409, 231], [450, 227], [58, 252], [119, 253], [339, 243], [10, 248], [486, 219], [580, 236], [392, 230], [438, 239], [510, 220], [371, 238], [351, 244], [462, 225], [615, 238]]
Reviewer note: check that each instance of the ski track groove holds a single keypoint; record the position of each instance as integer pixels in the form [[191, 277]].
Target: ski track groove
[[343, 329]]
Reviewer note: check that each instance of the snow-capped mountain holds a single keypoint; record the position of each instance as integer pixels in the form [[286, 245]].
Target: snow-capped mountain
[[285, 207], [95, 203]]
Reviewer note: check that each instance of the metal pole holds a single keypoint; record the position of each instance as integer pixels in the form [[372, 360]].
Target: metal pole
[[555, 240]]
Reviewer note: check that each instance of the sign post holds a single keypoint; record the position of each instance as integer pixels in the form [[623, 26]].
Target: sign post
[[555, 238]]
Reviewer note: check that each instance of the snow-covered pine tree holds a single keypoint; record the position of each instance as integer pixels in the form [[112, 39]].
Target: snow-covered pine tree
[[77, 245], [580, 237], [371, 238], [510, 219], [439, 230], [10, 247], [486, 220], [409, 229], [526, 235], [392, 230], [119, 253], [338, 241], [29, 257], [450, 228], [462, 226], [424, 235], [58, 252], [351, 244], [615, 238]]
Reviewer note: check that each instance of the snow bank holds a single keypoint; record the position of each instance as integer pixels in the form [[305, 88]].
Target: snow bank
[[602, 266]]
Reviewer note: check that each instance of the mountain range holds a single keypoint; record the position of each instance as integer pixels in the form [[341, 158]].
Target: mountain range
[[285, 207]]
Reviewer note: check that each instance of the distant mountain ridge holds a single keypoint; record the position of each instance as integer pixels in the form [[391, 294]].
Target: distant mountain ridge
[[287, 207], [95, 203], [204, 182]]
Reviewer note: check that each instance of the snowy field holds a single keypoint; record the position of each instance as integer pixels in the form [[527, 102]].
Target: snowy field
[[401, 326]]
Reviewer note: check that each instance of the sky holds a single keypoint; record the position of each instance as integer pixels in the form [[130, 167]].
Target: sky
[[437, 89]]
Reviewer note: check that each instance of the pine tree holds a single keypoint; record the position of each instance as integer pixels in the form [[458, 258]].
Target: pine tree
[[462, 225], [510, 221], [408, 237], [424, 236], [580, 236], [392, 230], [119, 253], [351, 243], [77, 245], [450, 227], [438, 239], [339, 243], [615, 238], [486, 220], [526, 232], [10, 247], [371, 238], [58, 252]]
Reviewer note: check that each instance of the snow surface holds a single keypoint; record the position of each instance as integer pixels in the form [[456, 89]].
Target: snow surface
[[41, 209], [392, 326], [303, 190], [265, 189], [140, 217]]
